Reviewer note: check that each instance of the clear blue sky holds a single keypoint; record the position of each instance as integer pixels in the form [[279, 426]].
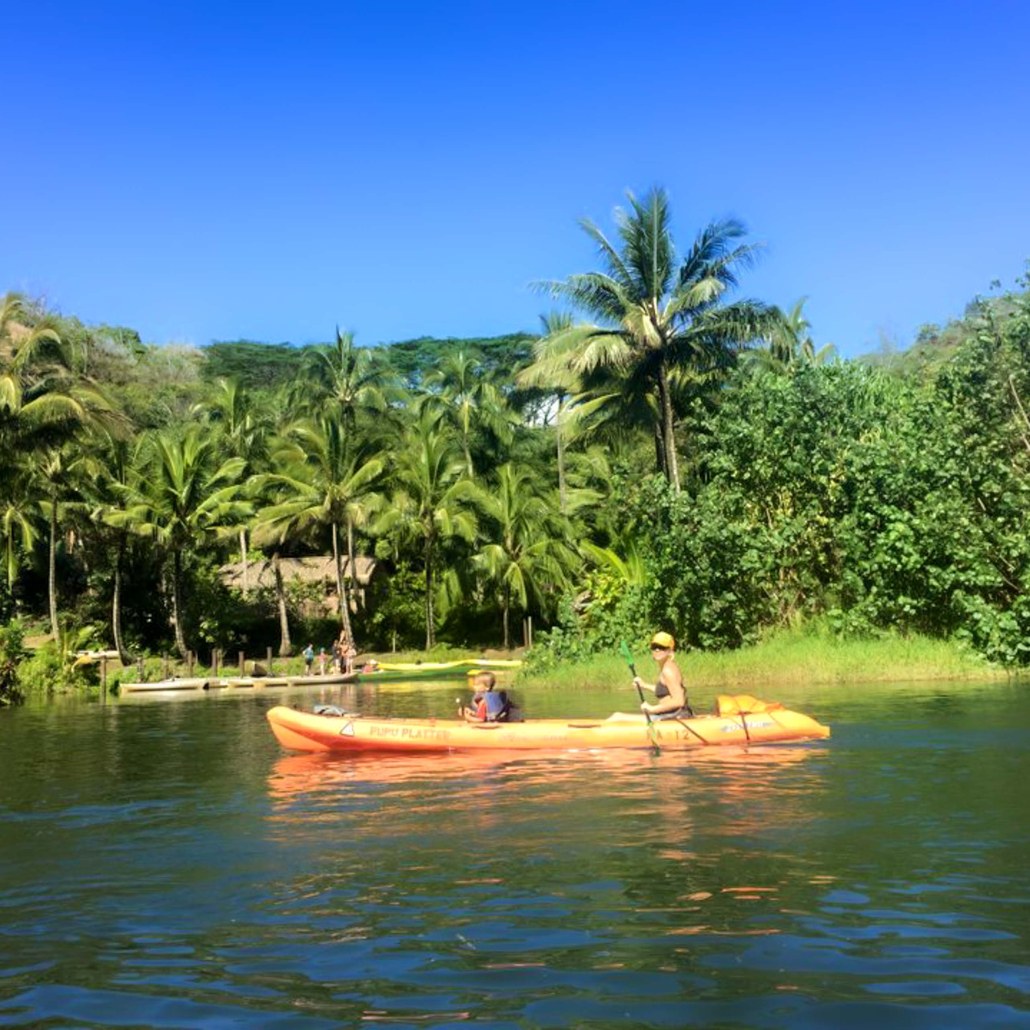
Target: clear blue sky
[[204, 170]]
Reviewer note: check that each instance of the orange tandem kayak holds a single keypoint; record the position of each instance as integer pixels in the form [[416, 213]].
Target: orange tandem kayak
[[765, 724]]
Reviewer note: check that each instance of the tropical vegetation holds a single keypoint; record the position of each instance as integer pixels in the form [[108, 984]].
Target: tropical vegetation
[[663, 453]]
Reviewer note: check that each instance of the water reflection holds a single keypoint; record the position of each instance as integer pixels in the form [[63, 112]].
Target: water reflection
[[170, 866]]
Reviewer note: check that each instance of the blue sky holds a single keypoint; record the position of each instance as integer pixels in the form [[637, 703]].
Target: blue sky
[[210, 170]]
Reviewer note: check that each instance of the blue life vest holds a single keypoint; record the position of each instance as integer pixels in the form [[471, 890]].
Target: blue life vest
[[495, 705]]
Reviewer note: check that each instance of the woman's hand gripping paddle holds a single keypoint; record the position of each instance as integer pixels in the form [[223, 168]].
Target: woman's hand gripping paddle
[[628, 655]]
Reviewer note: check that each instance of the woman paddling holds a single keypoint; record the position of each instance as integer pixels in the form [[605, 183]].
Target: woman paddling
[[670, 693]]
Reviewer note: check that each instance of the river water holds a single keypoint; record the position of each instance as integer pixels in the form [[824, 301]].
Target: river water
[[163, 863]]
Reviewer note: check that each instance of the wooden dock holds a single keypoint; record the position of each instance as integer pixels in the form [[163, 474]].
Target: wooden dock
[[197, 683]]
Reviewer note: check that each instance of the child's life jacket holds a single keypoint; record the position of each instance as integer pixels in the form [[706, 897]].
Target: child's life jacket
[[496, 705]]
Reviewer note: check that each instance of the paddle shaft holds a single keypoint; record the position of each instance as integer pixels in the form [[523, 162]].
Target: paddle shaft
[[640, 691], [647, 714]]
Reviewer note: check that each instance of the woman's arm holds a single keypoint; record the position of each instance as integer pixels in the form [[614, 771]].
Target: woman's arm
[[638, 682]]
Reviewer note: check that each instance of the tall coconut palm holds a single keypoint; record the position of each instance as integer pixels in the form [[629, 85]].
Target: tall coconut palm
[[354, 378], [18, 515], [657, 316], [561, 381], [113, 488], [434, 500], [44, 404], [472, 402], [273, 536], [242, 434], [360, 384], [265, 493], [324, 480], [54, 473], [527, 553], [186, 496]]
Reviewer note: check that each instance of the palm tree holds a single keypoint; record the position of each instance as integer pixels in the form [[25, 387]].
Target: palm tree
[[562, 382], [186, 497], [434, 499], [54, 473], [117, 467], [242, 435], [656, 317], [17, 521], [527, 552], [361, 382], [472, 401], [44, 404], [326, 480], [790, 343], [355, 378]]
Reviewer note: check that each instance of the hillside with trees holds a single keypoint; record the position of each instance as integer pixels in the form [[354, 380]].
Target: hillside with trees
[[666, 451]]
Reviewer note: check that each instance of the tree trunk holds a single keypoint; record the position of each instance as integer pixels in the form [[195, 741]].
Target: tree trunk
[[430, 618], [341, 589], [52, 572], [285, 644], [506, 617], [351, 572], [668, 425], [180, 636], [560, 438], [659, 452], [244, 586], [1022, 411], [116, 606]]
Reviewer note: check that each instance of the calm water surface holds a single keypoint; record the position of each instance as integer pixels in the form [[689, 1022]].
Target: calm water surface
[[165, 864]]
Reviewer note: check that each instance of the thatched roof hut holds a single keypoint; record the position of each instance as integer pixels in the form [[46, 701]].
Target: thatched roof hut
[[314, 569]]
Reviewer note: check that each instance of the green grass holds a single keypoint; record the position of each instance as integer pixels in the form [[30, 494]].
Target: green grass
[[808, 655], [790, 658]]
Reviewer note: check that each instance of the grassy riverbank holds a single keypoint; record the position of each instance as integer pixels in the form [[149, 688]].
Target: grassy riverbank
[[791, 658], [785, 659]]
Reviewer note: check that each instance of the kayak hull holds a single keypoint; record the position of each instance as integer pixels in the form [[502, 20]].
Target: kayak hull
[[307, 731]]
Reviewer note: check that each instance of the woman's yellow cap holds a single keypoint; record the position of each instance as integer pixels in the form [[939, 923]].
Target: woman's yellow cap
[[663, 640]]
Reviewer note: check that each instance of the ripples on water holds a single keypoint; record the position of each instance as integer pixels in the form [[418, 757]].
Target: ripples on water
[[168, 866]]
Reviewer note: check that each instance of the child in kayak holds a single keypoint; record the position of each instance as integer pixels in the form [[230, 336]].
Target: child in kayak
[[487, 705]]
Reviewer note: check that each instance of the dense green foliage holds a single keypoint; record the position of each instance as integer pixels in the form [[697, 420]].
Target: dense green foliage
[[682, 460], [843, 492]]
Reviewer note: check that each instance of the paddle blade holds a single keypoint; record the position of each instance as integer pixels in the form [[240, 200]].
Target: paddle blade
[[626, 652]]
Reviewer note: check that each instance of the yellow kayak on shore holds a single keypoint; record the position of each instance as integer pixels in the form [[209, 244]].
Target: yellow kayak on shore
[[461, 665], [349, 732]]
